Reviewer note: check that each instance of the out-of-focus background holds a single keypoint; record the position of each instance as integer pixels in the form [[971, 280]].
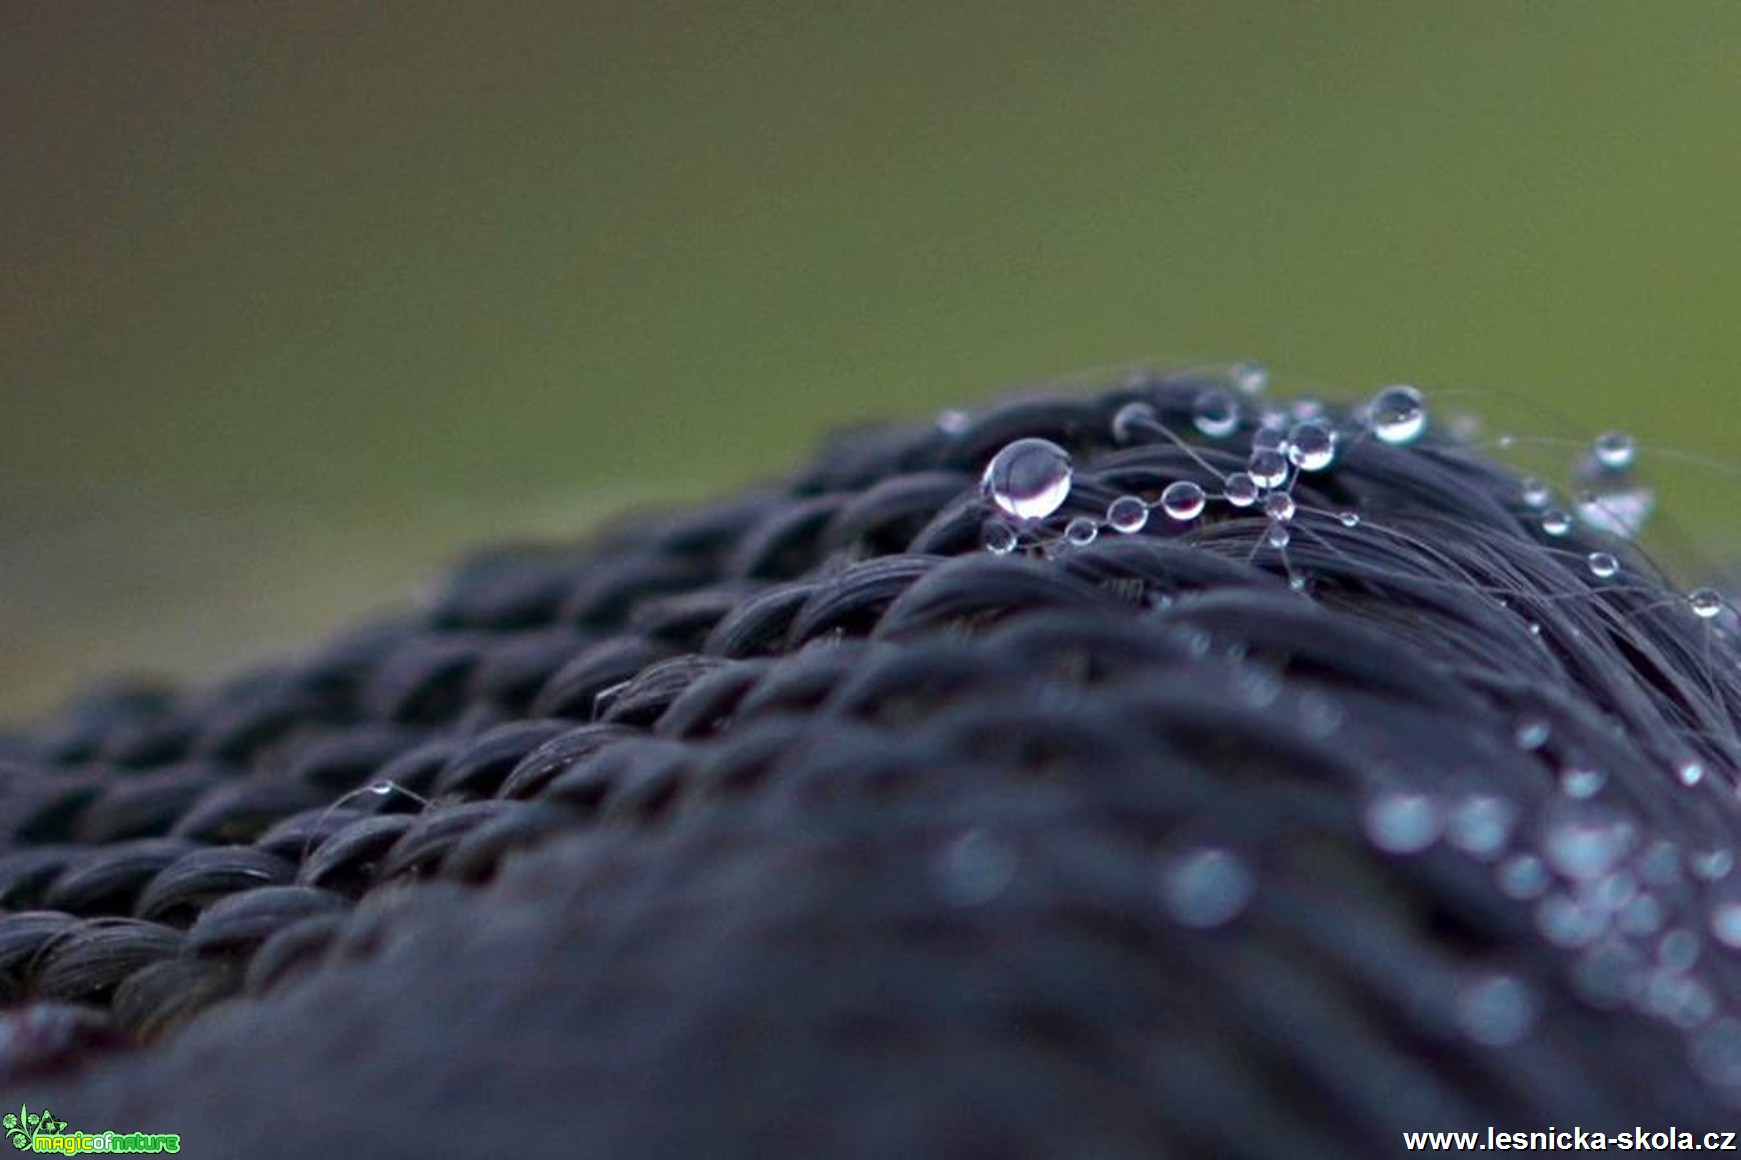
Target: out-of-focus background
[[297, 299]]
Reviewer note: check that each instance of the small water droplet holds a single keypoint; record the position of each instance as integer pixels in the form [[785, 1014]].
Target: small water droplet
[[1480, 825], [1496, 1010], [1403, 822], [1531, 732], [1312, 445], [1578, 780], [1249, 378], [1690, 771], [998, 537], [1278, 537], [974, 868], [1678, 950], [1127, 514], [1615, 450], [1133, 420], [1556, 522], [1523, 876], [1215, 413], [1710, 863], [1029, 479], [953, 422], [1240, 490], [1565, 921], [1267, 468], [1183, 500], [1397, 415], [1706, 603], [1081, 532], [1349, 519], [381, 788], [1642, 916], [1585, 838], [1279, 505], [1206, 888], [1536, 494], [1603, 565]]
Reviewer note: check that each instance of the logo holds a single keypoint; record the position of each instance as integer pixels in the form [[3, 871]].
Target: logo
[[41, 1132]]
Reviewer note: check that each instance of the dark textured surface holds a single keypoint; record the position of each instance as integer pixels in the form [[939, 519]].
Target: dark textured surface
[[802, 824]]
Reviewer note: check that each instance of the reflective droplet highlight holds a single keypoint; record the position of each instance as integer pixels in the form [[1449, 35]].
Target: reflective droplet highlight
[[1397, 415], [1029, 479]]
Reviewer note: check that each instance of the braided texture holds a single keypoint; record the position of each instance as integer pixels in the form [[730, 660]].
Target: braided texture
[[801, 823]]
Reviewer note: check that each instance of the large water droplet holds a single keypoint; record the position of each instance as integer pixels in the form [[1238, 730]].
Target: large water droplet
[[1215, 413], [1706, 603], [1584, 839], [1402, 821], [1496, 1010], [1397, 415], [1614, 450], [1132, 421], [1183, 500], [1029, 479], [1207, 887], [1127, 514], [998, 537], [1312, 445], [1081, 532], [1267, 468], [1240, 490]]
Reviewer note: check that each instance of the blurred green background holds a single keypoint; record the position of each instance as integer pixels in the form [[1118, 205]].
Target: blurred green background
[[299, 298]]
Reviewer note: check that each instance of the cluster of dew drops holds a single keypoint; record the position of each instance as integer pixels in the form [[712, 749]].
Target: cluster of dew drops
[[1599, 888]]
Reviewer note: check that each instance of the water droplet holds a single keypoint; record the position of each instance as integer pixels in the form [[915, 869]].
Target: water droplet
[[1496, 1010], [1535, 493], [381, 788], [1267, 468], [1397, 415], [953, 422], [1312, 445], [1278, 538], [1523, 876], [1349, 519], [1603, 565], [1615, 450], [1271, 436], [1133, 420], [1249, 378], [1215, 413], [1029, 479], [1706, 603], [1206, 888], [1403, 822], [1127, 514], [1661, 863], [1584, 838], [998, 537], [1621, 512], [1642, 916], [1556, 522], [1183, 500], [1690, 771], [1278, 505], [974, 868], [1081, 532], [1710, 863], [1567, 922], [1531, 732], [1678, 950], [1480, 824], [1240, 490], [1578, 780]]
